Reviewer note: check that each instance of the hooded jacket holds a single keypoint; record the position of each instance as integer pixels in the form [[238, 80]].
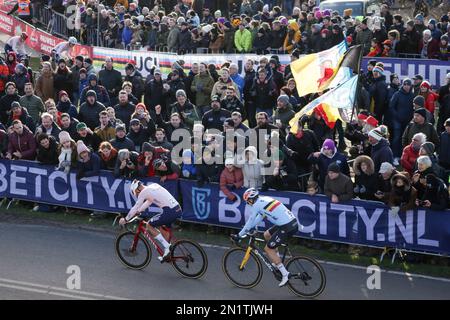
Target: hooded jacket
[[89, 114], [323, 161], [253, 169], [404, 197], [243, 41], [293, 36], [5, 106], [365, 184], [67, 107]]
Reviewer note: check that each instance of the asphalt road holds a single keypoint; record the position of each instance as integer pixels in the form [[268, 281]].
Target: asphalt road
[[34, 260]]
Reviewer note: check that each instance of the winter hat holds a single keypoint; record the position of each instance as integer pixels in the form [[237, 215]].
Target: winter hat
[[228, 25], [418, 77], [120, 127], [407, 81], [387, 43], [91, 93], [375, 134], [217, 14], [410, 23], [379, 70], [15, 104], [428, 147], [422, 112], [134, 122], [81, 147], [92, 76], [420, 101], [329, 144], [147, 147], [88, 60], [283, 98], [419, 17], [62, 93], [392, 76], [334, 167], [362, 116], [385, 167], [229, 161], [221, 20], [64, 136], [371, 121], [81, 126], [180, 92], [372, 62], [425, 84]]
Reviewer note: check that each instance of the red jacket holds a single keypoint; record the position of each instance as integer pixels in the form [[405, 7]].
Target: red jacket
[[408, 159], [25, 144], [227, 178], [430, 100], [4, 75], [432, 50]]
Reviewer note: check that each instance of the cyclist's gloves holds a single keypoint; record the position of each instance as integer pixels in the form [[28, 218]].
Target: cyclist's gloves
[[236, 238]]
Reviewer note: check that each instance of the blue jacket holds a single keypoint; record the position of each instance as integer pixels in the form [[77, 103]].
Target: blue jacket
[[401, 106], [127, 35], [323, 162], [239, 82], [381, 152], [379, 93], [90, 168]]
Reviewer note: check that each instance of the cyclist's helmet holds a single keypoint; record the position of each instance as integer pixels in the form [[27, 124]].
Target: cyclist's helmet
[[73, 40], [250, 195], [134, 185], [24, 35]]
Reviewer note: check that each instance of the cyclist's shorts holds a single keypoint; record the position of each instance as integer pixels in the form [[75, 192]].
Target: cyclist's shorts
[[280, 234], [166, 218]]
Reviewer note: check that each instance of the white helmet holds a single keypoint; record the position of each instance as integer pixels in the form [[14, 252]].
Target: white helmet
[[134, 185], [73, 40], [250, 195]]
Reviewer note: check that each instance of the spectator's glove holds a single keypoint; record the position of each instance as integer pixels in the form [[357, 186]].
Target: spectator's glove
[[356, 189], [363, 189]]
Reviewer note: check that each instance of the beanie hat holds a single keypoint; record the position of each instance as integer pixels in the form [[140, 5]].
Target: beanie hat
[[62, 93], [378, 69], [180, 92], [425, 84], [283, 98], [375, 134], [81, 126], [410, 23], [329, 144], [141, 105], [91, 93], [420, 101], [371, 121], [362, 116], [147, 147], [422, 112], [92, 76], [81, 147], [393, 76], [428, 147], [88, 60], [221, 20], [419, 17], [134, 122], [120, 127], [334, 167], [15, 104], [64, 136], [372, 62], [407, 81]]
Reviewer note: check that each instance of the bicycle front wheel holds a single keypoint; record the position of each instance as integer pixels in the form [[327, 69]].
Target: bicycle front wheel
[[133, 254], [307, 277], [247, 277], [189, 259]]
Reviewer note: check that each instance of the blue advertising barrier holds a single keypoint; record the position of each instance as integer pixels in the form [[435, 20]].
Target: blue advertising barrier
[[357, 222], [432, 70], [31, 181]]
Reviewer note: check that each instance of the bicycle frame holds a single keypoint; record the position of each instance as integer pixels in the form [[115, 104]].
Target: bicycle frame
[[261, 255]]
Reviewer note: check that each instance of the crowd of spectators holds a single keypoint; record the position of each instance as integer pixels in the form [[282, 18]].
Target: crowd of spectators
[[396, 150], [257, 26]]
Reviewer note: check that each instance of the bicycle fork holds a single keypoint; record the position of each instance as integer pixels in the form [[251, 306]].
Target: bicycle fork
[[245, 259]]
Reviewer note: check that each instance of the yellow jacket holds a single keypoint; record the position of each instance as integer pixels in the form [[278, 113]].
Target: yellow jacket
[[296, 37]]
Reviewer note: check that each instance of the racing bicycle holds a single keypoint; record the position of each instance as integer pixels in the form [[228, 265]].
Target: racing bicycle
[[242, 266], [133, 249]]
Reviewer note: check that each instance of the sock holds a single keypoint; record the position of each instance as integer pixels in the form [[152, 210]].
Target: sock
[[163, 241], [283, 270]]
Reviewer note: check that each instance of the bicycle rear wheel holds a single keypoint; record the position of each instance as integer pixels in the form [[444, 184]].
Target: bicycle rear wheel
[[247, 277], [307, 277], [133, 255], [189, 259]]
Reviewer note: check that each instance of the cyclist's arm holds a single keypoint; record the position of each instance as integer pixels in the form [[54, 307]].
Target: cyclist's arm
[[136, 209], [252, 222], [145, 205]]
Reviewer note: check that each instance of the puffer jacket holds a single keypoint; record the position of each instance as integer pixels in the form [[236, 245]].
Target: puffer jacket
[[409, 157], [44, 86], [365, 184], [89, 114], [381, 152]]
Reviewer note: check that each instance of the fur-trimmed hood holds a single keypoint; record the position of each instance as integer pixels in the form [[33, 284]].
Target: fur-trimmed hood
[[357, 165], [405, 180]]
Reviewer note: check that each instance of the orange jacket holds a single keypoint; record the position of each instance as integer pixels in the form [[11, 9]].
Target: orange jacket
[[288, 45]]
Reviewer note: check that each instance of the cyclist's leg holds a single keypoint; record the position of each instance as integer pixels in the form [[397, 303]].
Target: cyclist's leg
[[167, 217], [272, 237]]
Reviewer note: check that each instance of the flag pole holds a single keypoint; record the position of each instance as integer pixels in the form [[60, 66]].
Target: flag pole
[[358, 85]]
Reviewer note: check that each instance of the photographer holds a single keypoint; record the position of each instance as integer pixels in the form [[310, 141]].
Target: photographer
[[126, 164], [435, 194]]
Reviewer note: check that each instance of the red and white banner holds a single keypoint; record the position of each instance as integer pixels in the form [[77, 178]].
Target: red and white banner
[[38, 40]]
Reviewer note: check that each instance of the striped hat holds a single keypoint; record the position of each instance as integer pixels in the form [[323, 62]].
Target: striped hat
[[378, 69]]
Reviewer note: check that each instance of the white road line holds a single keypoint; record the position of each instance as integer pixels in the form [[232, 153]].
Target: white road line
[[400, 273], [57, 291], [10, 286]]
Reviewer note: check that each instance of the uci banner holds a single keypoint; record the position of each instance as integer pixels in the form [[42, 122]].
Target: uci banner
[[354, 222], [31, 181]]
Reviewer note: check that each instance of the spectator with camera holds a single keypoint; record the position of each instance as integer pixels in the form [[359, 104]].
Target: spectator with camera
[[126, 164], [86, 135], [434, 193], [166, 169], [402, 196]]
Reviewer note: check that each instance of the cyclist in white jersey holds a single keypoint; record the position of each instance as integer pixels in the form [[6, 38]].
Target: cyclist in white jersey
[[285, 226], [154, 193]]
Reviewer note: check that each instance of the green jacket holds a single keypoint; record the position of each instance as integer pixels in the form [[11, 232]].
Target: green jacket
[[188, 112], [202, 87], [34, 106], [243, 41], [285, 115]]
